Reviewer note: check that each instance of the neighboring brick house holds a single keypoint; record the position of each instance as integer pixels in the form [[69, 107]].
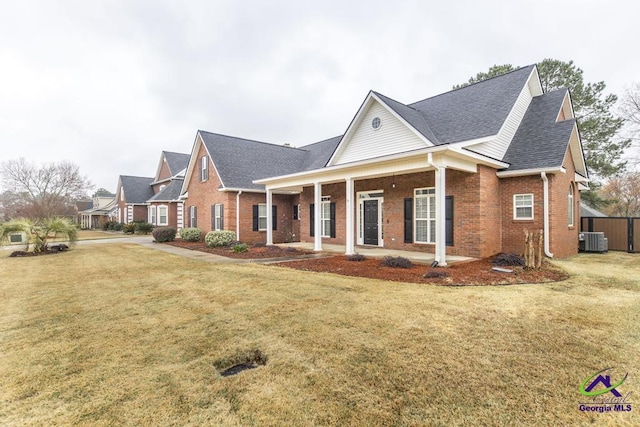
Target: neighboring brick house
[[165, 208], [131, 198], [97, 211], [463, 173]]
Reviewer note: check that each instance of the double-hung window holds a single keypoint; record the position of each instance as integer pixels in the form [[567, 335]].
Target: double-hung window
[[152, 215], [217, 212], [163, 215], [262, 217], [325, 216], [204, 168], [425, 215], [523, 206]]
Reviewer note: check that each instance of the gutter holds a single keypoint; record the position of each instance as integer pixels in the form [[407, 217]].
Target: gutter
[[238, 215], [545, 188]]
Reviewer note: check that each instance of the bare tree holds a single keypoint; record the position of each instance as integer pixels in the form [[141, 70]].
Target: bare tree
[[623, 195], [630, 110], [44, 191]]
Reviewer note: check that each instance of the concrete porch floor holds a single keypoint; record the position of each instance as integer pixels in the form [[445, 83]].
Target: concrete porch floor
[[423, 257]]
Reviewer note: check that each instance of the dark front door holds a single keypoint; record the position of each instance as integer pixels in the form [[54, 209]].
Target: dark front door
[[371, 222]]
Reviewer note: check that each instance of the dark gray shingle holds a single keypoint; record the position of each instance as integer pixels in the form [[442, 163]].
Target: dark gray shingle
[[540, 141], [136, 189], [176, 161], [170, 193]]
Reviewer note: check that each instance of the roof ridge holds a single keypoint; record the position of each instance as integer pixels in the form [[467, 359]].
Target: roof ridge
[[248, 140], [473, 84], [303, 147], [136, 176]]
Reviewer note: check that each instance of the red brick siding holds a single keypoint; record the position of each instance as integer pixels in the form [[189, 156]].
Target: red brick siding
[[563, 239], [172, 212], [512, 229]]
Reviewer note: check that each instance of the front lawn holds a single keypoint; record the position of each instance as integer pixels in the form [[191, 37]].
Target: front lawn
[[124, 335]]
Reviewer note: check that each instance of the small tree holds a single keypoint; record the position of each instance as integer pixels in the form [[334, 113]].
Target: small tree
[[623, 195], [40, 232]]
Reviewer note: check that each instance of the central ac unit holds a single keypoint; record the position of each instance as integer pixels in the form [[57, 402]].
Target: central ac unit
[[593, 242]]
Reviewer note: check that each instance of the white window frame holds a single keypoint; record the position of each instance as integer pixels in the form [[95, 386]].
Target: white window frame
[[520, 201], [192, 216], [325, 216], [166, 215], [571, 207], [262, 217], [152, 214], [204, 169], [217, 217], [429, 194]]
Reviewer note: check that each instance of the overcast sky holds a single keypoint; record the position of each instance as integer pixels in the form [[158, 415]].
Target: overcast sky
[[110, 84]]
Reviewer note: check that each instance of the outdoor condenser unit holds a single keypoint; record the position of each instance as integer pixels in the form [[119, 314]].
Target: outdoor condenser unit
[[593, 242]]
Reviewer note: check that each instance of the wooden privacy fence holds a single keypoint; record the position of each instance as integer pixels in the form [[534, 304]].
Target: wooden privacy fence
[[623, 233]]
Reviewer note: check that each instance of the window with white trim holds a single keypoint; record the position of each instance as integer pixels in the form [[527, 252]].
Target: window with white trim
[[217, 220], [523, 206], [204, 168], [152, 215], [325, 216], [262, 217], [163, 215], [570, 206], [425, 215]]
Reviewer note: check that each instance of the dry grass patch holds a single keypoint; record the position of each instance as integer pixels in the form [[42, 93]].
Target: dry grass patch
[[122, 334]]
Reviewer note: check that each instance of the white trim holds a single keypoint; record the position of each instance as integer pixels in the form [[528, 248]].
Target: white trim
[[428, 219], [317, 198], [571, 207], [515, 206], [270, 217], [360, 216], [265, 216], [166, 221], [151, 214], [349, 229], [525, 172], [238, 214]]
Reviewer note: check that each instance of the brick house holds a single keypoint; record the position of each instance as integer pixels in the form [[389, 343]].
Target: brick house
[[165, 208], [463, 173], [131, 198]]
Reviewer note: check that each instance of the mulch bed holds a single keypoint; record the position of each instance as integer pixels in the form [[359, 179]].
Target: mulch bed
[[54, 249], [464, 273], [255, 251]]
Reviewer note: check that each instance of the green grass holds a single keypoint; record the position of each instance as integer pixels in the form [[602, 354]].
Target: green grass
[[124, 335]]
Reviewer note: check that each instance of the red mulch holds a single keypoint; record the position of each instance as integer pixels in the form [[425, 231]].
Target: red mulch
[[255, 252], [464, 273]]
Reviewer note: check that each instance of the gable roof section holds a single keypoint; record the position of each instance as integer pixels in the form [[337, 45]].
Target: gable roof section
[[170, 193], [137, 189], [319, 153], [540, 142], [414, 117], [474, 111], [177, 162]]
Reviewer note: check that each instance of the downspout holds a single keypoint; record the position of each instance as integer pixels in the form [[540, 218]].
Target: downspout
[[545, 198], [238, 215]]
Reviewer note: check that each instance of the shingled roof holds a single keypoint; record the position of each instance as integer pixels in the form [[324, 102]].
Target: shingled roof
[[240, 161], [136, 189], [170, 193], [177, 162], [540, 141]]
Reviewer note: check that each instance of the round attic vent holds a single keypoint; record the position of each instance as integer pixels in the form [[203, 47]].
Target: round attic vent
[[376, 123]]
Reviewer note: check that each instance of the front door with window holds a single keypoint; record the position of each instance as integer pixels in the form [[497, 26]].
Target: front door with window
[[371, 222]]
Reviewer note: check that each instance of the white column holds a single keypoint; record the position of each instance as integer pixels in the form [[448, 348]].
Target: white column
[[350, 249], [441, 232], [317, 230], [269, 217]]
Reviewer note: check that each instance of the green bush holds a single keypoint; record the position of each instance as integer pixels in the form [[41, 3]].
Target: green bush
[[118, 226], [240, 247], [191, 234], [355, 257], [143, 227], [219, 238], [396, 262], [129, 228], [164, 234]]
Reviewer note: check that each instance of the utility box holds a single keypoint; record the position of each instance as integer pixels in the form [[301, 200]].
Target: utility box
[[593, 242]]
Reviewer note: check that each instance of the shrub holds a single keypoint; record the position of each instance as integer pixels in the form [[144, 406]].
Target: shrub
[[436, 274], [164, 234], [240, 247], [396, 262], [355, 257], [143, 227], [107, 226], [219, 238], [129, 228], [118, 226], [191, 234], [508, 260]]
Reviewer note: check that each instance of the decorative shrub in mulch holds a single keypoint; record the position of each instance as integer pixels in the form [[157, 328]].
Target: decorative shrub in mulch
[[257, 251], [53, 249]]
